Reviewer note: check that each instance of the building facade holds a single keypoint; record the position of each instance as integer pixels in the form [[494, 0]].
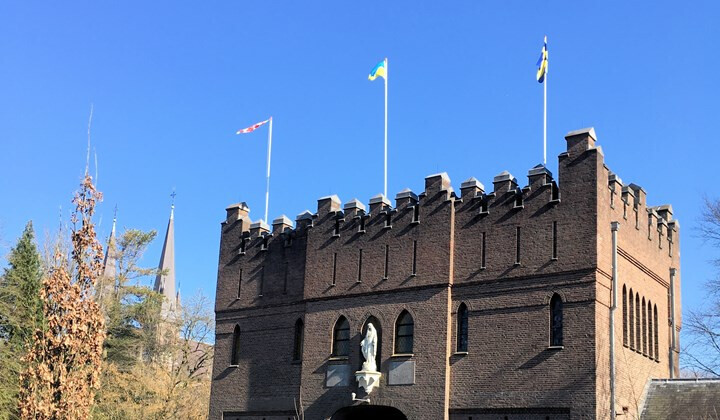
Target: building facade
[[488, 304]]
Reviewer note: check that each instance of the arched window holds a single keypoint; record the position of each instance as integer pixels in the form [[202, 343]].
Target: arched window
[[638, 325], [631, 321], [235, 355], [644, 327], [404, 330], [341, 337], [556, 321], [378, 329], [625, 314], [462, 328], [650, 336], [298, 342], [655, 319]]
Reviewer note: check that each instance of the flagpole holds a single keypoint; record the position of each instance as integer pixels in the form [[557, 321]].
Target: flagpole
[[545, 108], [267, 181], [386, 96]]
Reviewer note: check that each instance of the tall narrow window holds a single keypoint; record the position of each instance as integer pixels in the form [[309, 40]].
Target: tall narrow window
[[359, 273], [655, 321], [298, 342], [482, 252], [612, 198], [285, 279], [264, 243], [631, 321], [378, 331], [554, 240], [556, 321], [387, 261], [650, 335], [361, 227], [261, 286], [462, 328], [416, 214], [637, 218], [341, 337], [644, 328], [235, 355], [625, 315], [334, 268], [404, 331], [638, 325], [414, 259], [243, 244], [517, 245], [240, 279]]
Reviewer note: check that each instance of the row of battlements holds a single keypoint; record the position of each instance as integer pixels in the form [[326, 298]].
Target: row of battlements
[[632, 196], [471, 188], [505, 190]]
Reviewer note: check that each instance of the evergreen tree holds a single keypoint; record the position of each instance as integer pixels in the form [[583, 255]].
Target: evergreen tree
[[21, 312]]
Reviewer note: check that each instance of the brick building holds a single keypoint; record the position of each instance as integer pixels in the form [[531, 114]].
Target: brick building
[[488, 304]]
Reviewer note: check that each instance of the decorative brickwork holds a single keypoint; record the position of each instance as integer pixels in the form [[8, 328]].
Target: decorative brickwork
[[502, 254]]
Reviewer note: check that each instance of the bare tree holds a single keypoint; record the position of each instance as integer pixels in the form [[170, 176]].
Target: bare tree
[[703, 352]]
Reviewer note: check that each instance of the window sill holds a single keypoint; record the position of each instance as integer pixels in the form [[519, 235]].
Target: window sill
[[555, 201], [241, 253], [233, 366], [336, 235], [461, 353], [413, 275], [399, 355], [338, 358], [415, 222], [553, 259], [387, 227], [361, 231], [517, 264], [555, 347]]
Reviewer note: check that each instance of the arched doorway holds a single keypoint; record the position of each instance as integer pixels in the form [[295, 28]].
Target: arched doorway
[[365, 411]]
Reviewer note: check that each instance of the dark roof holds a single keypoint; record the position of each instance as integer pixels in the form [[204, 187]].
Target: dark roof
[[682, 399]]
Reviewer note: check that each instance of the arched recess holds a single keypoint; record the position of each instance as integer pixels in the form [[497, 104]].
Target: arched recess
[[556, 321], [625, 316], [298, 339], [404, 333], [235, 353], [631, 320], [341, 337], [378, 327], [462, 324]]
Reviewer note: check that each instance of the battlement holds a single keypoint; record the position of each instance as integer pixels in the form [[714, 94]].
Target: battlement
[[438, 237]]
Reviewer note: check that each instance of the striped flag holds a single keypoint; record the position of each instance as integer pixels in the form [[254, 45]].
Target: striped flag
[[252, 127]]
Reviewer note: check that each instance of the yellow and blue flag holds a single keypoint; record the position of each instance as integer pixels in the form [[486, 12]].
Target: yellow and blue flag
[[542, 63], [379, 71]]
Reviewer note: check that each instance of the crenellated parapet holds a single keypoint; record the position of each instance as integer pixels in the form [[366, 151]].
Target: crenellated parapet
[[544, 226]]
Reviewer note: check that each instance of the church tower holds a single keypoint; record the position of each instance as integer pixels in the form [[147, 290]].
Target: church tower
[[165, 280]]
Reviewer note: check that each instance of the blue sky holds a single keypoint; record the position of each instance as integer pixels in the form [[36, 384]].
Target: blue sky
[[171, 81]]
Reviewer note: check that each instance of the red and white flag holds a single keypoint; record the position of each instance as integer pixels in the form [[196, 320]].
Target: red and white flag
[[253, 127]]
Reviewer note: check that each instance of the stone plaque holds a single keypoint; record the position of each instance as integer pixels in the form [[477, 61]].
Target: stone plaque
[[337, 375], [402, 373]]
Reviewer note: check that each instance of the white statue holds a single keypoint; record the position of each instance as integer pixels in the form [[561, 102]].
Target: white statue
[[369, 348]]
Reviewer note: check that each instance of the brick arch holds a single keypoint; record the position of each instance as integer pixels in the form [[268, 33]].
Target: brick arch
[[378, 314], [549, 295], [457, 303]]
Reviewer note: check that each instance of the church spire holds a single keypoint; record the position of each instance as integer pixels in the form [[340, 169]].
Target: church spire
[[109, 263], [165, 281]]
